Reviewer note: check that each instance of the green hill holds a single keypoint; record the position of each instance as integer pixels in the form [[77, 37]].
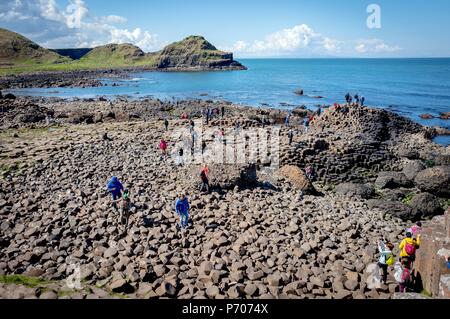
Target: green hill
[[16, 50], [19, 54]]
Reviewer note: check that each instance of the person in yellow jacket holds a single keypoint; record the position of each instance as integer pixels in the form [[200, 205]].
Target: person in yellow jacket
[[408, 246]]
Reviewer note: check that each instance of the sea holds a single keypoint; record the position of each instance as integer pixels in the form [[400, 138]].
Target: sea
[[409, 87]]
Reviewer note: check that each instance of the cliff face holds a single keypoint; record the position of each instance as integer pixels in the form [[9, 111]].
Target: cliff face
[[430, 263]]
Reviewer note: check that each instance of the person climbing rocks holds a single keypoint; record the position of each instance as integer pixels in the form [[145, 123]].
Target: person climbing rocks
[[309, 171], [203, 146], [124, 208], [166, 124], [115, 187], [402, 275], [163, 148], [416, 229], [306, 124], [408, 247], [204, 179], [386, 258], [182, 210], [290, 136], [180, 157]]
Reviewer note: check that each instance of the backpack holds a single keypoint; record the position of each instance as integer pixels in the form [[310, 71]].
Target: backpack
[[406, 275], [391, 260], [410, 249]]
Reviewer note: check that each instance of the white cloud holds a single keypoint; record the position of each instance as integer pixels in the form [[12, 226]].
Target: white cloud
[[113, 19], [72, 26], [375, 46], [288, 41]]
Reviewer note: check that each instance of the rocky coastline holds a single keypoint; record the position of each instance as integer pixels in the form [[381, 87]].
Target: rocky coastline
[[265, 230]]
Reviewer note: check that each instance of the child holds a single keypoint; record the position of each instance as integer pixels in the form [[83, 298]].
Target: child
[[416, 229], [402, 274]]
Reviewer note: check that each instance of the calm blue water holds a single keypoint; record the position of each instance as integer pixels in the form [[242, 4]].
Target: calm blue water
[[407, 86]]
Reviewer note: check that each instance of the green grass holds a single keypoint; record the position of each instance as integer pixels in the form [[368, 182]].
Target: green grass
[[31, 282], [407, 200], [429, 163]]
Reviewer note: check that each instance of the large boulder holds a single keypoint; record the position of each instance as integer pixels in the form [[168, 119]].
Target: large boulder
[[397, 209], [297, 178], [435, 180], [225, 176], [426, 204], [358, 190], [392, 180], [412, 168]]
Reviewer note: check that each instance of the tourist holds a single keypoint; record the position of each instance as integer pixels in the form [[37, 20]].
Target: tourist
[[347, 98], [191, 124], [166, 123], [408, 247], [180, 160], [286, 120], [182, 210], [115, 187], [402, 275], [306, 124], [163, 148], [203, 146], [204, 179], [309, 173], [223, 111], [290, 136], [357, 99], [416, 229], [319, 111], [363, 99], [124, 208], [386, 258]]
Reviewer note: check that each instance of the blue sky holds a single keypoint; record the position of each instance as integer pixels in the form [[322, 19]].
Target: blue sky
[[283, 28]]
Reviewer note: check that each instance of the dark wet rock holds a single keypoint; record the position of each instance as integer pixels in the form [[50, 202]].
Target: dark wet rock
[[426, 204], [412, 168], [392, 180], [397, 209], [435, 180], [352, 189]]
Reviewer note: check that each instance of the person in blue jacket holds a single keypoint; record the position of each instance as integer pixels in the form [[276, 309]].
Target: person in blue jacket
[[182, 210], [115, 187]]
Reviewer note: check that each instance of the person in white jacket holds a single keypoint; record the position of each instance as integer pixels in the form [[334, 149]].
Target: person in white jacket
[[384, 260]]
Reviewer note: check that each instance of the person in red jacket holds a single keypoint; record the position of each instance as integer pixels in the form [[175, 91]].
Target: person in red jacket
[[163, 148], [204, 178]]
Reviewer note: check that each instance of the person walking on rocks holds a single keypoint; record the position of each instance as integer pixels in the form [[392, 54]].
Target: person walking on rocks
[[306, 124], [357, 99], [204, 179], [386, 258], [416, 229], [408, 247], [223, 111], [363, 99], [290, 136], [180, 157], [166, 124], [115, 187], [402, 275], [163, 148], [124, 208], [347, 98], [309, 173], [182, 210]]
